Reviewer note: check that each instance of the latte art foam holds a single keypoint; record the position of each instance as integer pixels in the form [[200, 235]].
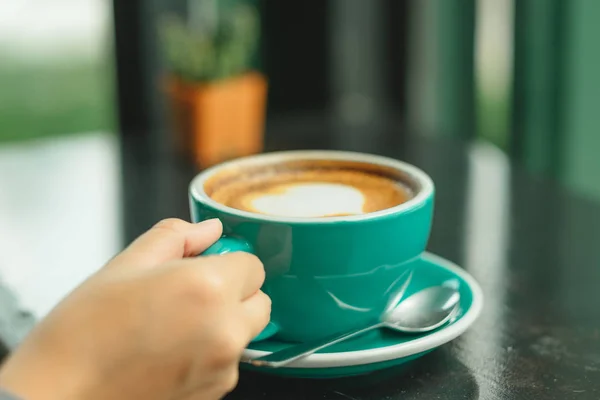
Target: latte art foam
[[314, 199], [308, 189]]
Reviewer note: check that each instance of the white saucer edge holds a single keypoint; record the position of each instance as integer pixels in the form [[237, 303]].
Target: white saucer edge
[[364, 357]]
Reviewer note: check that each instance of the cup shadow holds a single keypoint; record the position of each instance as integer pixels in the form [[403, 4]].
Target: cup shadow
[[437, 375]]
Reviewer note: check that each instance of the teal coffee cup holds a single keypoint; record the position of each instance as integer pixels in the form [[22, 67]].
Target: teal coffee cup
[[336, 231]]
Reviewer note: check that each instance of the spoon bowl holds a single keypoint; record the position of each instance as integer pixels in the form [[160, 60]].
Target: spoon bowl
[[439, 300]]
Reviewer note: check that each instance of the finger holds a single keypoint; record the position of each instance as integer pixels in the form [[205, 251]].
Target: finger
[[240, 272], [256, 312], [170, 239]]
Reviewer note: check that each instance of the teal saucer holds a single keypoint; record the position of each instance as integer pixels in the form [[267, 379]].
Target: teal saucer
[[383, 348]]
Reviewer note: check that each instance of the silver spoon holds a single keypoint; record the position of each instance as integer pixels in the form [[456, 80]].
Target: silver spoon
[[421, 312]]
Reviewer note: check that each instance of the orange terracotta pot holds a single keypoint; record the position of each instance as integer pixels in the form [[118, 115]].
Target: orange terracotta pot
[[218, 121]]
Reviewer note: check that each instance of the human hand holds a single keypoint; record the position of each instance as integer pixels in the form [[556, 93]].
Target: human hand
[[154, 323]]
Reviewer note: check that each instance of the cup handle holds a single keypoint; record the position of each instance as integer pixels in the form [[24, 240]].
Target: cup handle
[[230, 245]]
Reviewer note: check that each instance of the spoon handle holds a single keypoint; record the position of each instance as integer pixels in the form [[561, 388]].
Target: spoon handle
[[283, 357]]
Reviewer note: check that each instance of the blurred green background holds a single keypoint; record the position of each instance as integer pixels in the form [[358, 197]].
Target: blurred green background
[[55, 99], [56, 68]]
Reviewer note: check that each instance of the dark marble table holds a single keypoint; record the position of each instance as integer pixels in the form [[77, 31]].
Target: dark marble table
[[533, 246]]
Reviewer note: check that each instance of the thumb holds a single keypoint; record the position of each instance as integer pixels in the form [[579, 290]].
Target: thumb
[[170, 239]]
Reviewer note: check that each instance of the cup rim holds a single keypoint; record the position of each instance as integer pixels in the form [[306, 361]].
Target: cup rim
[[426, 190]]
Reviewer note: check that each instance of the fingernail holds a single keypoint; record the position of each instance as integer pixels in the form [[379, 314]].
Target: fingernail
[[211, 221]]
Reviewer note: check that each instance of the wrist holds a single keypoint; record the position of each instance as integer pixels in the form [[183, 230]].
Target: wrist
[[38, 375]]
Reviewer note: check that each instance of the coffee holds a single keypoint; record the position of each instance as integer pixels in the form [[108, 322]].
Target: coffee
[[309, 188]]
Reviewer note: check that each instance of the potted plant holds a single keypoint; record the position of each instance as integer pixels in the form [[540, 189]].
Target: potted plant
[[216, 94]]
